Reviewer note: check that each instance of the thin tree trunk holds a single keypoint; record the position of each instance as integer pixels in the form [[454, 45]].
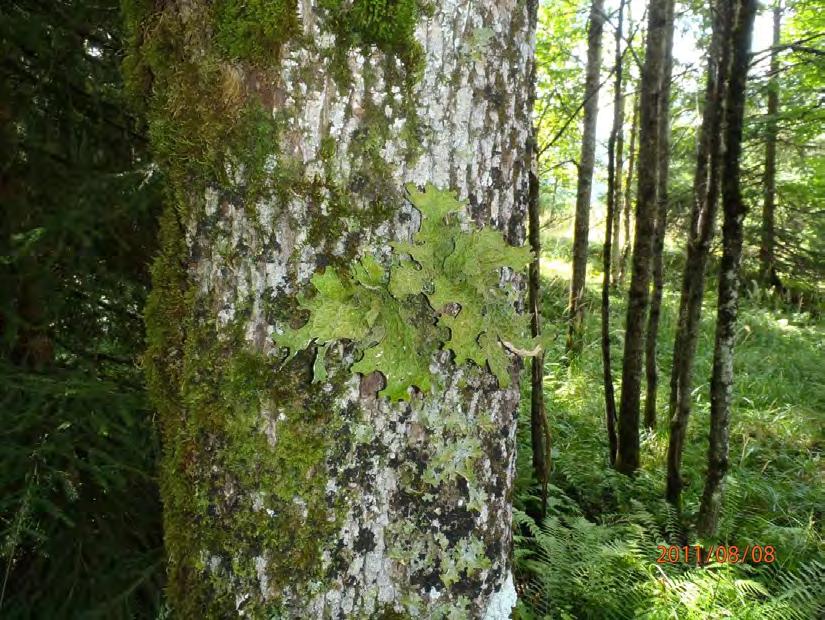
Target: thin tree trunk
[[651, 369], [618, 197], [627, 460], [721, 384], [585, 177], [700, 235], [614, 149], [292, 487], [767, 250], [539, 429], [628, 196]]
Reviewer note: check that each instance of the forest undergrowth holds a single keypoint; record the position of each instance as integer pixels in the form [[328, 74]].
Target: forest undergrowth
[[594, 555]]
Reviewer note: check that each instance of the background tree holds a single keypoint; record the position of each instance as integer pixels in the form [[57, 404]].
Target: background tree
[[700, 235], [614, 196], [662, 206], [79, 510], [539, 428], [628, 191], [627, 459], [767, 250], [734, 209], [585, 176]]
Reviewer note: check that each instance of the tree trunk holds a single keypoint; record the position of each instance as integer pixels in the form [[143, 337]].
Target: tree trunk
[[700, 235], [628, 195], [585, 179], [767, 253], [614, 175], [292, 486], [627, 460], [615, 263], [663, 145], [721, 384], [539, 429]]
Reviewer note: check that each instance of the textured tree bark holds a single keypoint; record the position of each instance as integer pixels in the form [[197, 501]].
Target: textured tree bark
[[286, 497], [581, 226], [700, 235], [721, 383], [627, 459], [767, 243], [614, 175], [628, 192], [663, 146]]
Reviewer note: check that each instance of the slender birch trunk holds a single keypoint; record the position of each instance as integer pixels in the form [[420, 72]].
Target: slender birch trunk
[[700, 236], [585, 177], [614, 175], [628, 192], [618, 197], [767, 250], [627, 460], [539, 428], [663, 146], [721, 384]]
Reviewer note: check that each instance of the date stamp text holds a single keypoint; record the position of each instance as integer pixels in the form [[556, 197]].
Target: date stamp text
[[720, 554]]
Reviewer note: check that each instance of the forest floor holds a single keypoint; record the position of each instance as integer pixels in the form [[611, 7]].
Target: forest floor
[[595, 554]]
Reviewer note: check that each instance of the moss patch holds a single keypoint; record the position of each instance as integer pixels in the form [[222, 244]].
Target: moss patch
[[387, 24], [204, 123], [255, 29], [244, 473]]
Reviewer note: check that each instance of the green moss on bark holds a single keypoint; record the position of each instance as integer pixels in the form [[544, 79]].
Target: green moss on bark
[[191, 76], [255, 29], [244, 474], [387, 24]]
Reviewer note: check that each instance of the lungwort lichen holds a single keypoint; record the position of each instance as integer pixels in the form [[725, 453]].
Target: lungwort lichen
[[456, 275]]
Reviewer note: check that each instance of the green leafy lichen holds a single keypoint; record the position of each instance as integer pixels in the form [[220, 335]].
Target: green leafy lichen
[[454, 275]]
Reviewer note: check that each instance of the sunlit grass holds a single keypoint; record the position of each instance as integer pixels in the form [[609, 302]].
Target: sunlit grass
[[774, 491]]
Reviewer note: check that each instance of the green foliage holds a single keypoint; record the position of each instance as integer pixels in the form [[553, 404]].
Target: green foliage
[[594, 556], [610, 571], [80, 523], [79, 512], [458, 273]]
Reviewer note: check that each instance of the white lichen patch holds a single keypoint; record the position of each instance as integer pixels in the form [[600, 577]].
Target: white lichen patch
[[502, 601]]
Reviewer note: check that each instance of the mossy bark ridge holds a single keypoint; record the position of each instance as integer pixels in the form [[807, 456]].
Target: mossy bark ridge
[[288, 132]]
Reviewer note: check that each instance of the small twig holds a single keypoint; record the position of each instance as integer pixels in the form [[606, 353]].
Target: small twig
[[521, 352]]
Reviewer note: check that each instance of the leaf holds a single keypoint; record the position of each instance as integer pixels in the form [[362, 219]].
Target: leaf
[[335, 314]]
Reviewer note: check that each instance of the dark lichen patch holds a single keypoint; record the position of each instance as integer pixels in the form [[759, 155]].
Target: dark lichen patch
[[365, 542]]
